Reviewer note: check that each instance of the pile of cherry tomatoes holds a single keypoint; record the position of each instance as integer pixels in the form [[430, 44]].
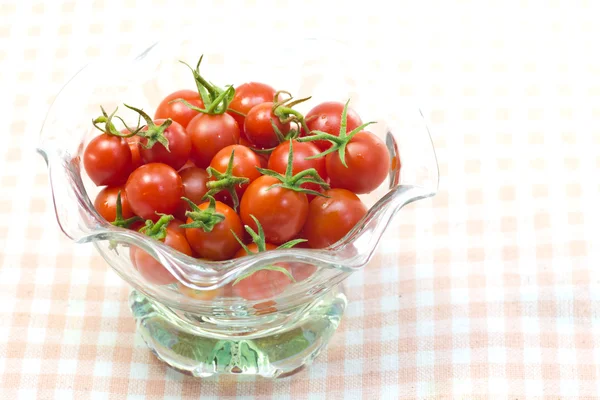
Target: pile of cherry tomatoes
[[221, 173]]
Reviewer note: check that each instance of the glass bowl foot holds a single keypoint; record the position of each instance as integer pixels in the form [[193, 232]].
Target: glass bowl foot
[[271, 356]]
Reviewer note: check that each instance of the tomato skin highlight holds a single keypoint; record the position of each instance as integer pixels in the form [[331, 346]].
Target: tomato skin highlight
[[218, 244], [368, 164], [209, 134], [330, 219], [150, 268], [106, 203], [107, 160], [279, 158], [259, 129], [248, 95], [178, 111], [326, 117], [180, 146], [282, 212], [154, 188]]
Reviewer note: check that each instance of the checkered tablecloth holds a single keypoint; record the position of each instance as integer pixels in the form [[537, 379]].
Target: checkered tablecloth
[[489, 290]]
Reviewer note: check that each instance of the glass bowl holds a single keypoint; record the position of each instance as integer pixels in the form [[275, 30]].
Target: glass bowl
[[212, 333]]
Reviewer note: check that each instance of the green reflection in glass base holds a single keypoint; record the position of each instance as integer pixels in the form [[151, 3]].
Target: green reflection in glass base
[[276, 355]]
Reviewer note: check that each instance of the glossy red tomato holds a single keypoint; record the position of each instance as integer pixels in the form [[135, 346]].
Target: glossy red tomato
[[245, 162], [219, 243], [331, 218], [367, 164], [177, 111], [107, 160], [261, 284], [279, 159], [180, 146], [326, 117], [258, 127], [209, 134], [134, 146], [248, 95], [150, 268], [106, 203], [154, 188], [281, 211]]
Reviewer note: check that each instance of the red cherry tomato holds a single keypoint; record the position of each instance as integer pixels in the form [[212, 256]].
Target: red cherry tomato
[[106, 203], [259, 129], [107, 160], [330, 219], [180, 146], [209, 134], [154, 188], [150, 268], [245, 162], [219, 243], [248, 95], [282, 212], [261, 284], [178, 111], [368, 164], [279, 159], [326, 117]]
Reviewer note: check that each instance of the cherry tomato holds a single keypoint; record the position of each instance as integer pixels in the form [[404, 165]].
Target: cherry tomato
[[279, 159], [330, 219], [264, 158], [150, 268], [245, 162], [154, 188], [209, 134], [259, 129], [248, 95], [326, 117], [282, 212], [261, 284], [368, 164], [107, 160], [194, 188], [134, 147], [106, 203], [199, 294], [180, 146], [178, 111], [219, 243]]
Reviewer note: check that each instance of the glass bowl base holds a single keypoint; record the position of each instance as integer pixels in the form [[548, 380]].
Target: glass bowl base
[[274, 355]]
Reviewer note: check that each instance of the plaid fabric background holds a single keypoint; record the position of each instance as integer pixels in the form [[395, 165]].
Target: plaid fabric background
[[489, 290]]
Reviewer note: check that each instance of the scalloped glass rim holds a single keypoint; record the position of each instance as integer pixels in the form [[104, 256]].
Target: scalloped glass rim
[[79, 221]]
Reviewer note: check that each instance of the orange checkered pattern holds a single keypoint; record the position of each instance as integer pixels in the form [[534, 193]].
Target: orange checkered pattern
[[489, 290]]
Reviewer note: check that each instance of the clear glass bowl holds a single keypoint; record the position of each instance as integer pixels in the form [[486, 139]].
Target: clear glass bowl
[[269, 337]]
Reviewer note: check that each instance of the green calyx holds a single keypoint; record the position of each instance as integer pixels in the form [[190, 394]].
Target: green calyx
[[258, 238], [339, 142], [203, 219], [119, 221], [110, 129], [157, 230], [154, 133], [225, 181], [216, 100], [295, 182], [284, 111]]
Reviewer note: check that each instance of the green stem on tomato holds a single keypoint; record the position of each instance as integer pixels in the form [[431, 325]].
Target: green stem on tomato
[[157, 230], [154, 133], [119, 221], [340, 142], [203, 219], [109, 127], [225, 181]]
